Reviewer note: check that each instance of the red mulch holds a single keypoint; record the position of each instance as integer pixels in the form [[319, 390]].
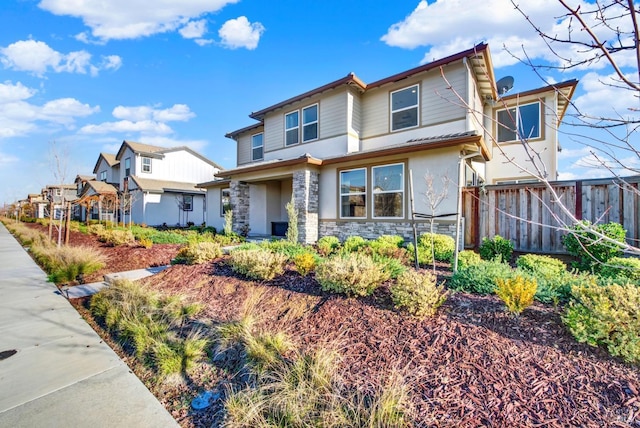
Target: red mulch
[[471, 365]]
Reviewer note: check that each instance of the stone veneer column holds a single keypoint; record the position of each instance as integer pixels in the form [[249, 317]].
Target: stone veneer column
[[239, 204], [305, 195]]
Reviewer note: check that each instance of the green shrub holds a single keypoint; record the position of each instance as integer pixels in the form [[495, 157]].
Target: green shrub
[[607, 316], [480, 278], [116, 237], [328, 245], [386, 245], [418, 293], [287, 248], [496, 247], [145, 242], [442, 249], [558, 289], [260, 264], [393, 266], [198, 253], [305, 263], [353, 274], [591, 250], [466, 258], [353, 244], [517, 293], [541, 266], [622, 268]]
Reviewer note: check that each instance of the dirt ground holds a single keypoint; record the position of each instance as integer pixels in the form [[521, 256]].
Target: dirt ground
[[471, 365]]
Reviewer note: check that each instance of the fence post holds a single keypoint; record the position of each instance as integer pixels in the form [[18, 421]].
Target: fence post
[[578, 188]]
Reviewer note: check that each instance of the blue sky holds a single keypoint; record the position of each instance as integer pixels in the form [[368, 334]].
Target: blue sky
[[88, 74]]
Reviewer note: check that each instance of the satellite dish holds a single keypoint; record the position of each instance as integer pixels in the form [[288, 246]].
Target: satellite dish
[[504, 85]]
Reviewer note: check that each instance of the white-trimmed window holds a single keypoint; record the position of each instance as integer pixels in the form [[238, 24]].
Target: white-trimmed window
[[310, 123], [103, 175], [353, 193], [146, 164], [257, 146], [225, 201], [292, 128], [187, 203], [519, 123], [127, 167], [388, 190], [405, 105]]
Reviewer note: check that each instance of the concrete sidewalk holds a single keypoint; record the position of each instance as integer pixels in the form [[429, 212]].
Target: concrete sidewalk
[[62, 374]]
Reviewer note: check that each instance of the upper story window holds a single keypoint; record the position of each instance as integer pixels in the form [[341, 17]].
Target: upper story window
[[388, 191], [146, 164], [291, 128], [103, 175], [257, 145], [353, 193], [404, 108], [127, 167], [519, 123], [310, 123]]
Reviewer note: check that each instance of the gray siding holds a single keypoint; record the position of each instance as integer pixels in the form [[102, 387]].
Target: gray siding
[[333, 115], [244, 149], [355, 117], [274, 131]]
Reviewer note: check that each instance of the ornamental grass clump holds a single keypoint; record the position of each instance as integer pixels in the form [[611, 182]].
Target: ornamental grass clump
[[196, 253], [606, 316], [418, 293], [260, 264], [66, 263], [517, 293], [352, 274]]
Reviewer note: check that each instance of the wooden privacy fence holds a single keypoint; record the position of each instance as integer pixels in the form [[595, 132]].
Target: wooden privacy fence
[[526, 214]]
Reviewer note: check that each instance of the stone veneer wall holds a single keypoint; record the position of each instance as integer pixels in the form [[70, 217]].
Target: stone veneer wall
[[373, 229], [305, 195], [239, 194]]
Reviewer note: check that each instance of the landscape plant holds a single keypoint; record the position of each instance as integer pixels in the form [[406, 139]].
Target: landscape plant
[[622, 268], [353, 274], [541, 266], [517, 293], [328, 245], [480, 278], [353, 243], [606, 316], [260, 264], [466, 258], [65, 264], [198, 252], [592, 251], [418, 293], [496, 247], [305, 263]]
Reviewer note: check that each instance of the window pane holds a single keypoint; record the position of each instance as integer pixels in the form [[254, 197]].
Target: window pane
[[353, 181], [292, 137], [257, 153], [388, 205], [353, 206], [388, 178], [404, 98], [530, 121], [405, 119], [310, 114], [310, 132], [291, 120], [506, 125], [256, 141], [225, 201]]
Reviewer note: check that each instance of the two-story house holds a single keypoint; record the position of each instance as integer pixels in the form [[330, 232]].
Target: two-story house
[[154, 185], [345, 151], [58, 196]]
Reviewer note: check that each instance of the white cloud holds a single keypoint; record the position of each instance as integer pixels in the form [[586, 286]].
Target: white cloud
[[38, 58], [130, 19], [194, 29], [6, 159], [163, 141], [19, 117], [178, 112], [240, 33], [604, 97], [498, 23], [127, 126]]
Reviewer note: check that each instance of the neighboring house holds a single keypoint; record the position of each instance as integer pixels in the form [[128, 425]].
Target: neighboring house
[[38, 202], [100, 200], [156, 185], [58, 195], [344, 151]]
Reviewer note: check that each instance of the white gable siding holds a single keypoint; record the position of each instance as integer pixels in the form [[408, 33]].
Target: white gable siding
[[178, 166]]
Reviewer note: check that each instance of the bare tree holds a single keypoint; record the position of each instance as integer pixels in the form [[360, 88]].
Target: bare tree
[[58, 157], [435, 195]]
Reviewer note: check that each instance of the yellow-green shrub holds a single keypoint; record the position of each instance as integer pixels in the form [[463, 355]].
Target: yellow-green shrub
[[418, 293], [622, 268], [305, 263], [541, 266], [258, 263], [517, 293], [351, 273], [466, 258], [145, 242], [116, 237], [328, 245], [607, 316], [198, 252]]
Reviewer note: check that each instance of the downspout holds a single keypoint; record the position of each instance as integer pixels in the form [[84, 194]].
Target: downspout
[[461, 163]]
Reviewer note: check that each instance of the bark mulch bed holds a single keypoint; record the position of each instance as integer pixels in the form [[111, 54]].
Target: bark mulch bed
[[471, 365]]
